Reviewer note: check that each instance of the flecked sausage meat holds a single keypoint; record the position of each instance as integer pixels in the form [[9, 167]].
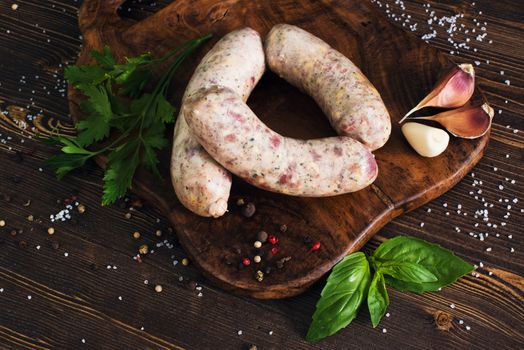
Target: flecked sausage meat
[[352, 104], [201, 184], [233, 135]]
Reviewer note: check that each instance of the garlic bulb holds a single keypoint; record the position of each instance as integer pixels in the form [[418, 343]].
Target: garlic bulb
[[425, 140]]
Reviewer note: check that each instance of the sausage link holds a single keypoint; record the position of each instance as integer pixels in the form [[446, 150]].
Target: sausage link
[[201, 184], [352, 104], [233, 135]]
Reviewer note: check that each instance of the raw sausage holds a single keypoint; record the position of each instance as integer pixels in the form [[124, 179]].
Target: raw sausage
[[233, 135], [352, 104], [201, 184]]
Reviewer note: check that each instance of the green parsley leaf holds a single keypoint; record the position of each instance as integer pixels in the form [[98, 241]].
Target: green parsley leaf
[[116, 101], [121, 166]]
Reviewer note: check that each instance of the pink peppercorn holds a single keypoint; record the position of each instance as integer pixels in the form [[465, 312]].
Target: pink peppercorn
[[316, 246], [246, 261], [274, 250], [273, 239]]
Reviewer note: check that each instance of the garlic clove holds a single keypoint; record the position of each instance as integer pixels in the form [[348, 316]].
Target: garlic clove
[[469, 122], [453, 90], [425, 140]]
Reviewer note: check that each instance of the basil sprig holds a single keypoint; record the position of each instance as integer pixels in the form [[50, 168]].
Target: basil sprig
[[404, 263]]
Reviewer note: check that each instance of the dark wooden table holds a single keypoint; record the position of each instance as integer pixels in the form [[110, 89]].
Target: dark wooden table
[[81, 288]]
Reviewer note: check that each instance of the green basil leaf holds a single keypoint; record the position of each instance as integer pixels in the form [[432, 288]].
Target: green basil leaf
[[442, 263], [406, 271], [342, 296], [378, 299]]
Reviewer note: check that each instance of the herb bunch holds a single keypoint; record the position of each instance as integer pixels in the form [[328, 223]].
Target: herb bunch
[[117, 104], [404, 263]]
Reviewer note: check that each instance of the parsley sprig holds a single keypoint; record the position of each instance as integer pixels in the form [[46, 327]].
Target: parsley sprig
[[117, 104]]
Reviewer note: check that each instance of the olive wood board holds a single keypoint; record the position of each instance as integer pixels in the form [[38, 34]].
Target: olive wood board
[[402, 68]]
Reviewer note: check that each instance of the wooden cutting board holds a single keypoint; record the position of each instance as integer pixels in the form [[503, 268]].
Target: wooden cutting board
[[402, 68]]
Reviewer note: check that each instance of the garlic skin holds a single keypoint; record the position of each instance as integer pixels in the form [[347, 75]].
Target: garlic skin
[[425, 140], [453, 90], [468, 122]]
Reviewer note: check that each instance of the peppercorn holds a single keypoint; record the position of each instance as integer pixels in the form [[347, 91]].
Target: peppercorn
[[51, 230], [30, 218], [2, 223], [283, 228], [158, 233], [246, 262], [257, 244], [315, 246], [136, 235], [22, 244], [248, 210], [143, 249], [262, 236], [274, 250], [13, 233], [55, 245], [158, 288], [253, 347], [259, 276], [273, 239], [185, 261], [240, 202], [257, 259], [128, 216], [81, 208]]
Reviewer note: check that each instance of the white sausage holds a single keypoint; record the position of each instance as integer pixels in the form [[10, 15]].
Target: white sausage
[[201, 184], [233, 135], [352, 104]]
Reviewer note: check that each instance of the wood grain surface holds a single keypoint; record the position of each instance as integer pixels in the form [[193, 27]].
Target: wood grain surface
[[342, 224], [81, 300]]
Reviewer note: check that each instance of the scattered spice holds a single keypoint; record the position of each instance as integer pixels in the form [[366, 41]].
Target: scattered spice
[[246, 262], [81, 208], [2, 223], [136, 235], [257, 259], [13, 233], [273, 239], [128, 216], [30, 218], [22, 244], [51, 230], [27, 203], [185, 261], [259, 276], [158, 288], [283, 228], [316, 246], [240, 202], [248, 210], [262, 236], [55, 245], [253, 347], [14, 7], [143, 249], [274, 250], [257, 244], [158, 233]]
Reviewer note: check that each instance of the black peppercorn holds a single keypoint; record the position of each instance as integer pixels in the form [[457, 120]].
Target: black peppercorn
[[248, 210]]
